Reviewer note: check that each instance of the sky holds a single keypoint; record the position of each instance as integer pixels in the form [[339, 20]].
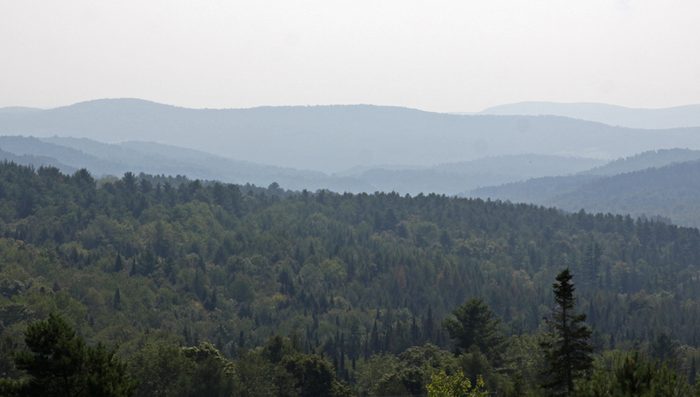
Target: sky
[[448, 56]]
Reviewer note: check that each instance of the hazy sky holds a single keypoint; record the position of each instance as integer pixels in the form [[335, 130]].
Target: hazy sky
[[460, 55]]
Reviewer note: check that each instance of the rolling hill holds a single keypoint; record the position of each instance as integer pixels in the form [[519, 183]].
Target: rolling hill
[[138, 262], [673, 117], [449, 178], [641, 161], [115, 159], [336, 138], [104, 159], [671, 191]]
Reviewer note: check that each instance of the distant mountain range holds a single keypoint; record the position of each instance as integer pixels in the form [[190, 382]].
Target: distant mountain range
[[445, 178], [662, 183], [70, 154], [361, 148], [673, 117], [337, 138], [35, 161], [104, 159]]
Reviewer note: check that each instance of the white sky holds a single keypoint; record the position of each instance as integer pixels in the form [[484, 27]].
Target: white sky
[[460, 55]]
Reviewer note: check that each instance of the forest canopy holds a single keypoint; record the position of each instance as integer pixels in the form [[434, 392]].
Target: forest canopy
[[351, 285]]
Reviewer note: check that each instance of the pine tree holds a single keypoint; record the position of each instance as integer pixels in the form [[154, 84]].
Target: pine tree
[[376, 346], [59, 363], [117, 300], [474, 324], [134, 271], [567, 349]]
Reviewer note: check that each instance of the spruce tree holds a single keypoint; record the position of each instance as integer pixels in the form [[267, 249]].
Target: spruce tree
[[57, 362], [567, 349], [474, 324], [117, 300]]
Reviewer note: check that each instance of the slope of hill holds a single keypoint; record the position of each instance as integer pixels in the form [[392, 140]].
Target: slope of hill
[[35, 161], [362, 281], [650, 159], [74, 158], [335, 138], [674, 117], [535, 190], [454, 178], [148, 157], [209, 262], [115, 159], [671, 191]]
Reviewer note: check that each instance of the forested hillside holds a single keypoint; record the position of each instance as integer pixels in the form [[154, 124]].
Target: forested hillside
[[345, 276], [670, 192]]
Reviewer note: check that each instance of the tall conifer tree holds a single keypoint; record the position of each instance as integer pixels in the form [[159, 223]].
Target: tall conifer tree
[[567, 349]]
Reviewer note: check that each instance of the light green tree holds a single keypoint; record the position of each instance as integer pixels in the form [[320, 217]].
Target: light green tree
[[455, 385]]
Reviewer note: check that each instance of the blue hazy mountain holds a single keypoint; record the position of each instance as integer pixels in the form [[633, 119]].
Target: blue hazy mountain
[[103, 159], [35, 161], [451, 178], [672, 117], [650, 159], [336, 138]]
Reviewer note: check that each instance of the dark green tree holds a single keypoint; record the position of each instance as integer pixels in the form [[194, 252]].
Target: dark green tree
[[162, 369], [474, 324], [58, 363], [118, 264], [567, 348], [117, 300]]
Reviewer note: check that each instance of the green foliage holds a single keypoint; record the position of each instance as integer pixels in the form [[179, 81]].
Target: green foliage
[[229, 259], [58, 363], [280, 369], [524, 362], [632, 375], [456, 385], [406, 374], [474, 325], [353, 281], [163, 370]]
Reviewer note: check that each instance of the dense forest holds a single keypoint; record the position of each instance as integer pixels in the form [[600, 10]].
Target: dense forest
[[670, 192], [255, 291]]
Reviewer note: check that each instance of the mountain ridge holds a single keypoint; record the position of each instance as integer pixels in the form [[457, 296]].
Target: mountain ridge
[[339, 137], [651, 118], [160, 159], [669, 191]]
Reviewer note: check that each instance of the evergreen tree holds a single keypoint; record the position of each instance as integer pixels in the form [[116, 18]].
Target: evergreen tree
[[134, 271], [567, 349], [117, 300], [60, 364], [474, 324]]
